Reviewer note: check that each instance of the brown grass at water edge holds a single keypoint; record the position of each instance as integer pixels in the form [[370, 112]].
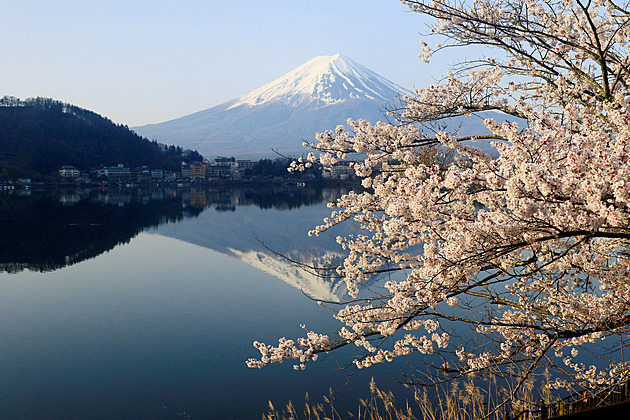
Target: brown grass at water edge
[[461, 401]]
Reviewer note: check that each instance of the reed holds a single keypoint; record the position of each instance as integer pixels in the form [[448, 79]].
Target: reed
[[460, 401]]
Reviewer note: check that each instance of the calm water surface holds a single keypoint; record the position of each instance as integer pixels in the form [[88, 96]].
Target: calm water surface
[[144, 304]]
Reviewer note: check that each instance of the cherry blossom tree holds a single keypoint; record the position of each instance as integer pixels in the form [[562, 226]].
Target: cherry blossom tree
[[528, 250]]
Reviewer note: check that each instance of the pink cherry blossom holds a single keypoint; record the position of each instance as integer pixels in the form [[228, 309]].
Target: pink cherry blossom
[[528, 249]]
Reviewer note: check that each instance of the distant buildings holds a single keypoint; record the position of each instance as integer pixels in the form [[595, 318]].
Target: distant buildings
[[339, 170], [185, 173], [242, 165], [393, 165], [157, 174], [343, 170], [69, 172], [197, 170], [221, 168], [117, 173]]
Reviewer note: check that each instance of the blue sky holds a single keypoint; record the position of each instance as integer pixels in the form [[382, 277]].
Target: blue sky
[[139, 62]]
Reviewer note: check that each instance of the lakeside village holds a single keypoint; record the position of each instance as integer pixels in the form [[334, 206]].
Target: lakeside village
[[221, 169]]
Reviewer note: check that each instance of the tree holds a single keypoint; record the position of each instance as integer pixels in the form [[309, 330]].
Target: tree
[[39, 135], [529, 250]]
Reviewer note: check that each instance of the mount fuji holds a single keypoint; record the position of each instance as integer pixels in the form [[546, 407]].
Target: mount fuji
[[317, 96]]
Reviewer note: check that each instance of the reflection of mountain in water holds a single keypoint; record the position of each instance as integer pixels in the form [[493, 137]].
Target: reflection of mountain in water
[[311, 283], [48, 230], [241, 234]]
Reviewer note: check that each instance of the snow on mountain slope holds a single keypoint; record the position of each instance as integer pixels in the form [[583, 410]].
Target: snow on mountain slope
[[315, 97], [324, 80]]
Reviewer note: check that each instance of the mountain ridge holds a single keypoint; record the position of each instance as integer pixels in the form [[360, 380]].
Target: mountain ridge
[[40, 135], [317, 96]]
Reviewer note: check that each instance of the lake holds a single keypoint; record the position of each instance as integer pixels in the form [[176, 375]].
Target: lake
[[144, 303]]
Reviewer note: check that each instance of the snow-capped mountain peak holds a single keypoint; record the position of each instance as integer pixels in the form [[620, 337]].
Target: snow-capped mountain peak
[[317, 96], [324, 80]]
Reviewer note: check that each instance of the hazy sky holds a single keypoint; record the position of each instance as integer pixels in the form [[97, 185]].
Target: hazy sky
[[140, 62]]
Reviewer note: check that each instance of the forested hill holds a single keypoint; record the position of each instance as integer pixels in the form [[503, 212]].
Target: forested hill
[[40, 135]]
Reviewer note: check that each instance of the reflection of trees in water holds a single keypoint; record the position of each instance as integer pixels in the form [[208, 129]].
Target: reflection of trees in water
[[279, 197], [47, 230], [283, 198]]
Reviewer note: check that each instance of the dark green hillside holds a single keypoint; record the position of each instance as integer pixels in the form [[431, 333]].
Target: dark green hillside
[[38, 136]]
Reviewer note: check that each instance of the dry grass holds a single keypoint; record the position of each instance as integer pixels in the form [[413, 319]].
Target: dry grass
[[461, 401]]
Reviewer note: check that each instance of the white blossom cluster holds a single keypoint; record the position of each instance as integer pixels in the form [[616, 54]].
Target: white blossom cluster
[[305, 349], [530, 249]]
